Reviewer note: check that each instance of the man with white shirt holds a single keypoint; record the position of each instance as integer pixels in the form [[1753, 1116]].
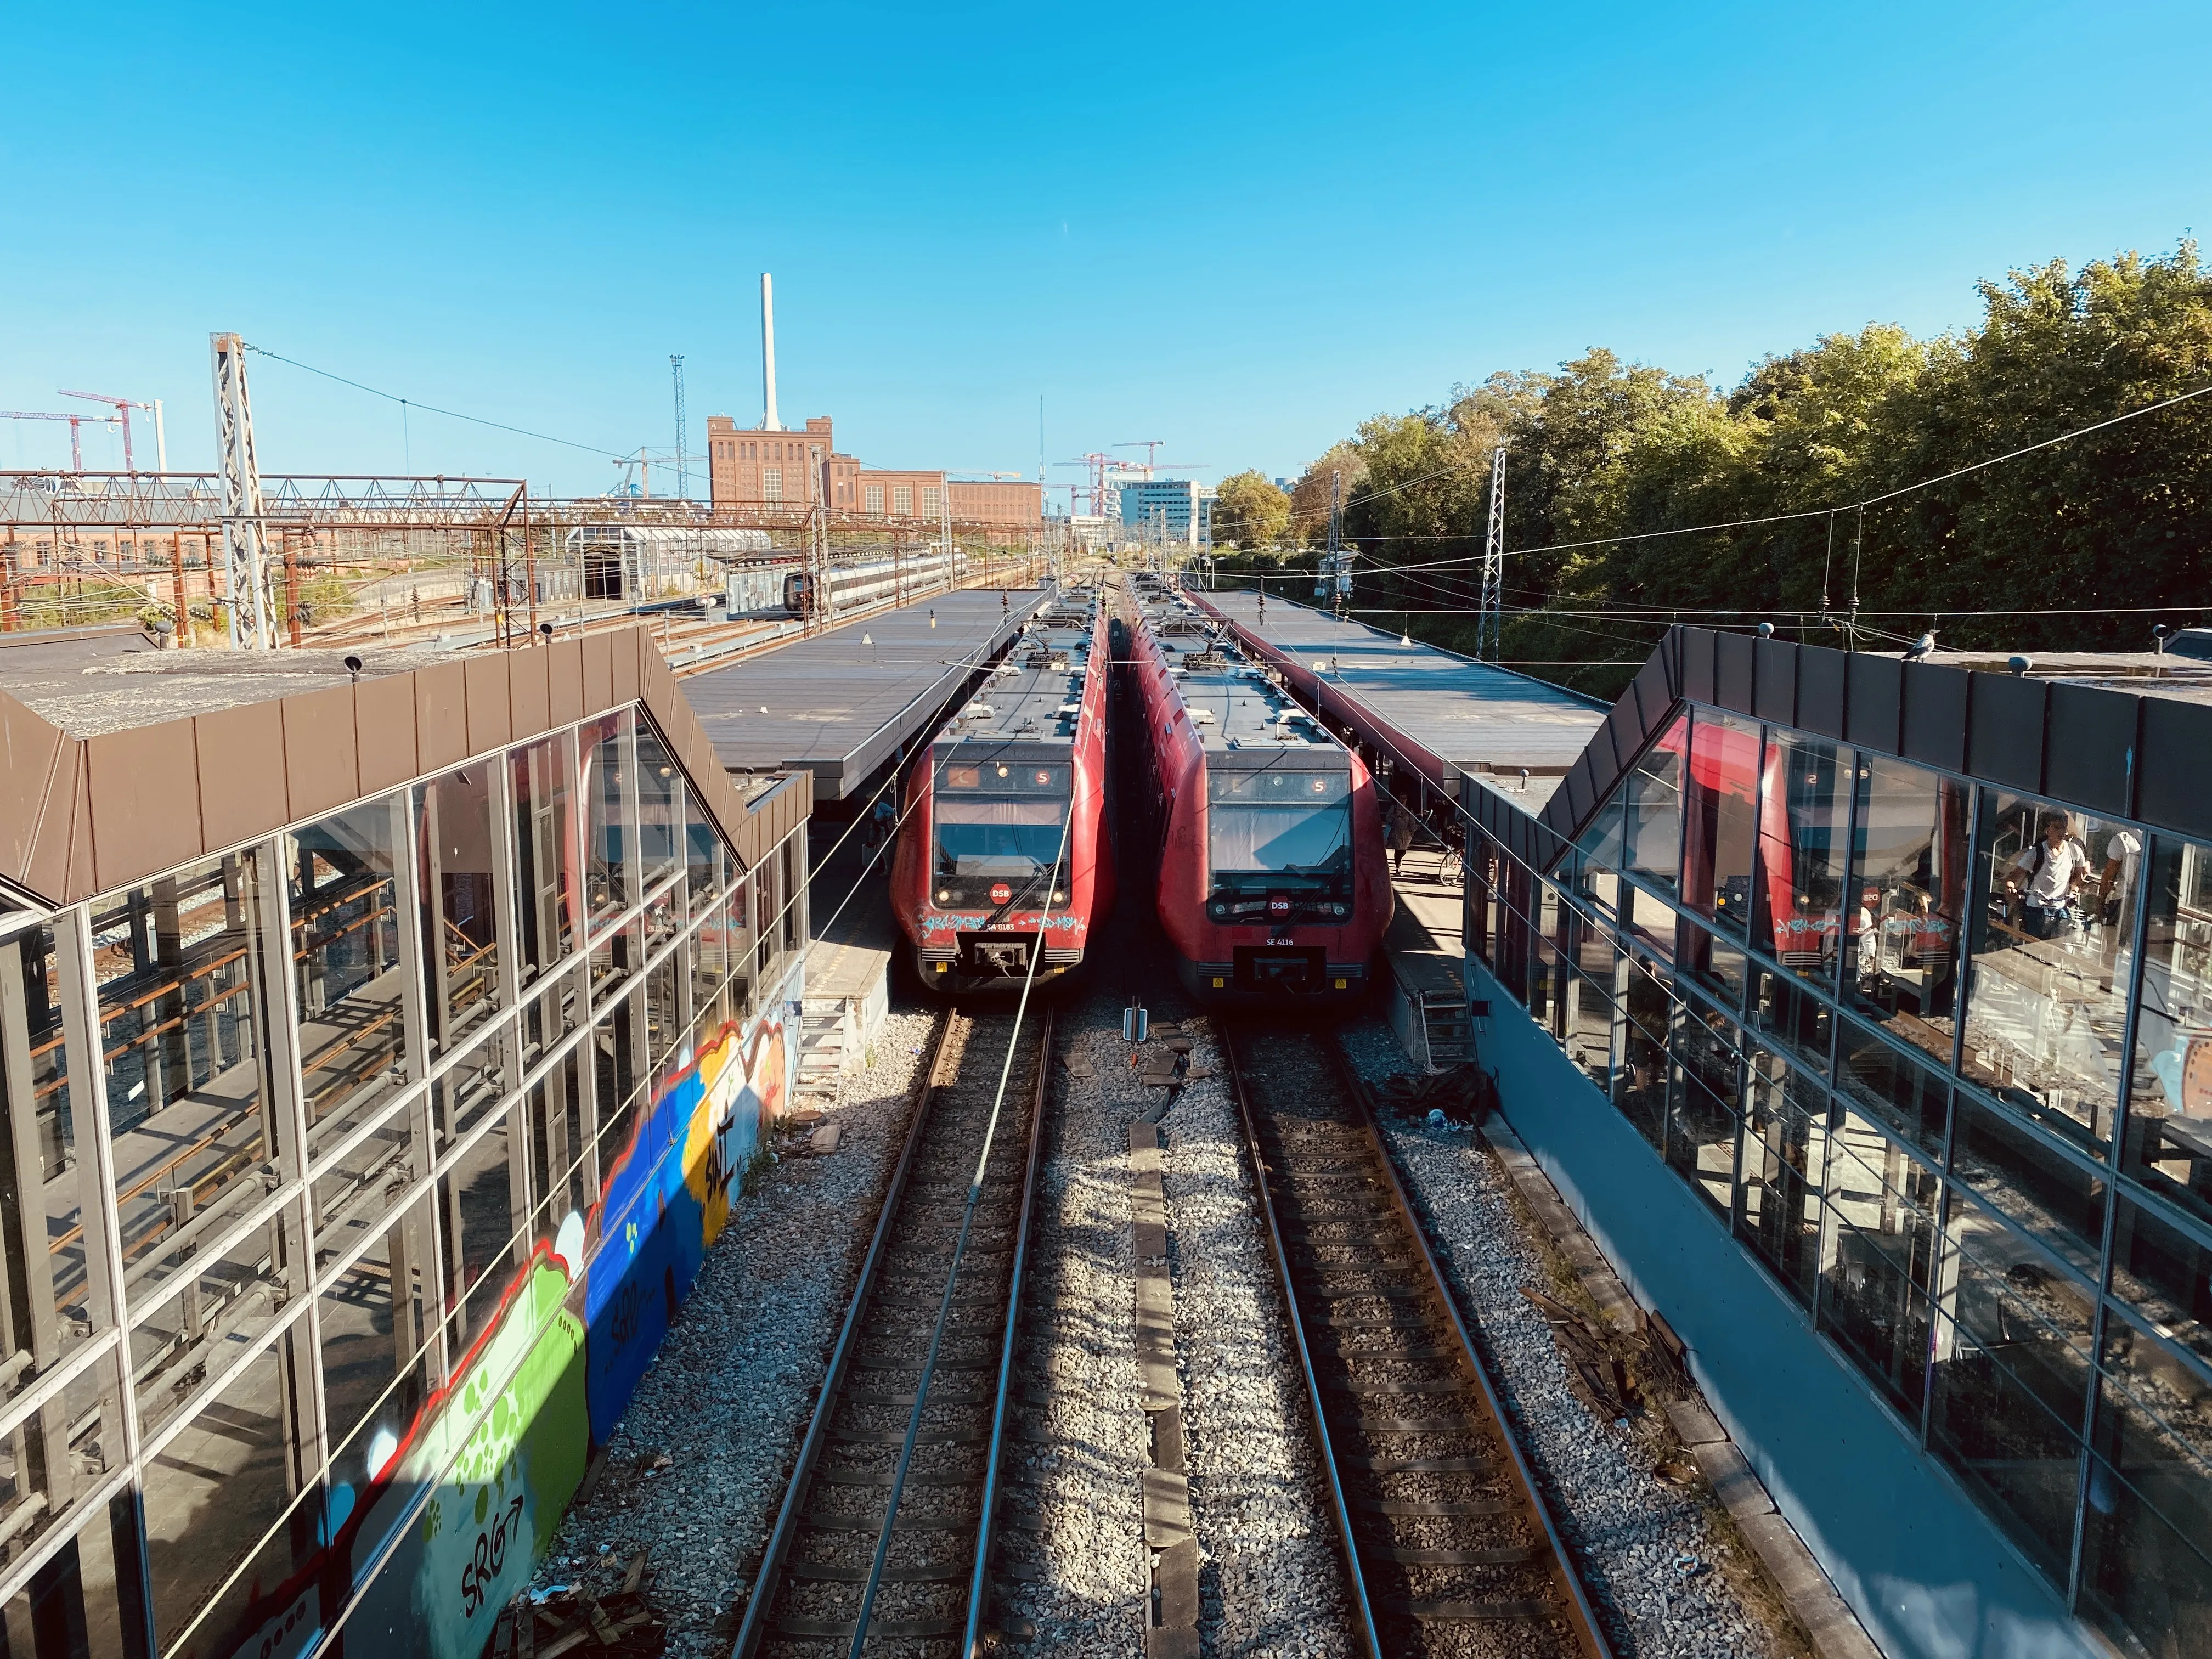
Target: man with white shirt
[[2047, 876]]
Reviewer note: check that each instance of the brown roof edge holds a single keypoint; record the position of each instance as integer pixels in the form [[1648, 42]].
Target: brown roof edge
[[73, 823]]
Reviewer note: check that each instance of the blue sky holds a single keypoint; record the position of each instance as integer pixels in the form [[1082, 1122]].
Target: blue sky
[[1240, 230]]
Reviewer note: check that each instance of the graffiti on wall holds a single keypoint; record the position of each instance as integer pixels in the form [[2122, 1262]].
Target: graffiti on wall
[[464, 1503]]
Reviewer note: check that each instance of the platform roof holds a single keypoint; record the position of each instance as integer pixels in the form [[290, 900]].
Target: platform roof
[[841, 703], [1484, 721]]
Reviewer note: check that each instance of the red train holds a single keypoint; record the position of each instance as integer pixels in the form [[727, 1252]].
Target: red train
[[1004, 842], [1273, 878]]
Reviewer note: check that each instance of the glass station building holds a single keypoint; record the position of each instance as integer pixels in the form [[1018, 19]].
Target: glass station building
[[1939, 1229], [378, 1061]]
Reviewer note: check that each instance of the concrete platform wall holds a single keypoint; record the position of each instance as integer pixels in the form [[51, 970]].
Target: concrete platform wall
[[1928, 1577]]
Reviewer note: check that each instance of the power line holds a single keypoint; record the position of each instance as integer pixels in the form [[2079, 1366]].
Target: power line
[[408, 403]]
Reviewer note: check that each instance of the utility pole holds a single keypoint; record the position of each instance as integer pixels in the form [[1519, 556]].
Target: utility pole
[[682, 461], [1488, 614], [245, 543], [1337, 564]]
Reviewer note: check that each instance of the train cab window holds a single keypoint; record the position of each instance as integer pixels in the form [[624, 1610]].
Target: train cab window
[[1280, 832], [996, 820]]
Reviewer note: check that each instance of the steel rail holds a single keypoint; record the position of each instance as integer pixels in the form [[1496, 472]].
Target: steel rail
[[972, 1641], [1582, 1615], [757, 1607], [1355, 1577], [1573, 1606]]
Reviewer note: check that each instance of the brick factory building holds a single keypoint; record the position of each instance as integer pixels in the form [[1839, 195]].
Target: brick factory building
[[753, 471]]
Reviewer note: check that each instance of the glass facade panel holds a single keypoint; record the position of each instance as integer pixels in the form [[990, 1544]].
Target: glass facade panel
[[2168, 1144], [2050, 1191], [459, 882], [1909, 860], [55, 1294], [2047, 981], [179, 973], [546, 872], [80, 1604], [1720, 818], [53, 1455], [216, 1297], [1787, 1014], [378, 1319], [298, 1272], [1705, 1093], [2163, 1270], [1903, 1091], [1639, 1076], [347, 976], [1797, 902], [659, 808], [480, 1211], [1651, 809], [1778, 1194], [1878, 1260], [610, 807], [1713, 964], [219, 1489]]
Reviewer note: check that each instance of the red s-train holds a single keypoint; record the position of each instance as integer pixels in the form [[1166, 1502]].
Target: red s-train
[[981, 870], [1273, 878]]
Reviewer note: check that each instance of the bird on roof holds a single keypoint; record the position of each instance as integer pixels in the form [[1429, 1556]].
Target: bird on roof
[[1921, 647]]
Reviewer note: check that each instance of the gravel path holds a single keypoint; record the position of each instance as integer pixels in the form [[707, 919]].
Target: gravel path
[[1268, 1577], [1080, 1480], [1648, 1549], [728, 1398]]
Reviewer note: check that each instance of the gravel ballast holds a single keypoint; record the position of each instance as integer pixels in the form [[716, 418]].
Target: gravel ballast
[[1270, 1582], [697, 1466], [1649, 1550]]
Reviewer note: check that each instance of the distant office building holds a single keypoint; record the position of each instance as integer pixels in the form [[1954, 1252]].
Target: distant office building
[[1176, 509]]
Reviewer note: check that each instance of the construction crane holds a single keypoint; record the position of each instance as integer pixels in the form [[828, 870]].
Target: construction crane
[[123, 406], [683, 460], [76, 422]]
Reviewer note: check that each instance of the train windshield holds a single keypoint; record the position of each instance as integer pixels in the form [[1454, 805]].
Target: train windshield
[[1278, 827], [1000, 819]]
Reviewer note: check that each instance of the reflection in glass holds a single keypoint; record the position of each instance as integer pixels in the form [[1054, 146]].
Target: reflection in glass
[[2163, 1270], [1712, 963], [1797, 902], [1783, 1010], [355, 1190], [2012, 1369], [1706, 1087], [2046, 988], [2013, 1169], [2169, 1135], [1720, 810], [619, 1051], [1909, 859], [1909, 1096], [1599, 989], [563, 1178], [214, 1492], [1777, 1199], [460, 910], [1651, 809], [1879, 1259], [1639, 1082], [469, 1088]]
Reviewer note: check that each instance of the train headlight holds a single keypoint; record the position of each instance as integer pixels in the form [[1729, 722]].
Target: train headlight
[[944, 895], [1219, 909], [1338, 910], [1057, 896]]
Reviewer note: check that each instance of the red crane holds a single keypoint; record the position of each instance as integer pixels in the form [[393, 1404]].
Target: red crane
[[123, 406], [76, 439]]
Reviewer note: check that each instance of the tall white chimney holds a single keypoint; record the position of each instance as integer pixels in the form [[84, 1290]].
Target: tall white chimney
[[767, 352]]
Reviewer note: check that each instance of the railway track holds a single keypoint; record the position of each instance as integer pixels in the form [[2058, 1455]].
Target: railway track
[[1449, 1547], [934, 1317]]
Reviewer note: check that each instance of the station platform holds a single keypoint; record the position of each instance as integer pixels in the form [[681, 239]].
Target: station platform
[[841, 703], [848, 964], [1426, 945], [1445, 714]]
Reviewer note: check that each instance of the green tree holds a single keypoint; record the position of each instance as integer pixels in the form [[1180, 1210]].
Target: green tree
[[1249, 510]]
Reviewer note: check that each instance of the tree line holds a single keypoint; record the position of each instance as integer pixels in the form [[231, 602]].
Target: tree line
[[2082, 545]]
